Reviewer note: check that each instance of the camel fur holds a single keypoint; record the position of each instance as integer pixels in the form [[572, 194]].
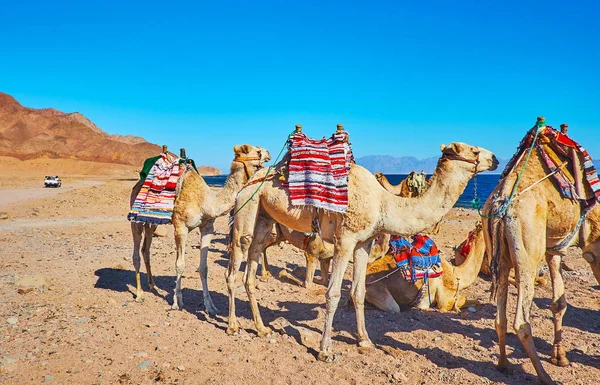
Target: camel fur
[[196, 205], [522, 238], [371, 210]]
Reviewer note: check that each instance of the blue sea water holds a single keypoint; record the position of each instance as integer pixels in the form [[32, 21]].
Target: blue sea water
[[485, 186]]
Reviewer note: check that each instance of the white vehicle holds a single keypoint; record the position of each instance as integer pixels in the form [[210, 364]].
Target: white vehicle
[[52, 181]]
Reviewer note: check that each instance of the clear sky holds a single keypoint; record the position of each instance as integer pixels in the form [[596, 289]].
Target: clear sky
[[403, 77]]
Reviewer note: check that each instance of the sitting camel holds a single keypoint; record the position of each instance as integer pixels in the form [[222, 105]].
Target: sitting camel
[[196, 205], [388, 290], [537, 224], [371, 210], [409, 188]]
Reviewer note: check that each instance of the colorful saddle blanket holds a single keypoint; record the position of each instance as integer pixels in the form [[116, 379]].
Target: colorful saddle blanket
[[154, 203], [318, 171], [417, 259], [549, 143]]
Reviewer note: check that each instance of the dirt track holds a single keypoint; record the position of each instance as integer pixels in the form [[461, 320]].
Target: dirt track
[[67, 314]]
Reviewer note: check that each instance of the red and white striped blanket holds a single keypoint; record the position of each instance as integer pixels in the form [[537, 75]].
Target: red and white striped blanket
[[318, 171]]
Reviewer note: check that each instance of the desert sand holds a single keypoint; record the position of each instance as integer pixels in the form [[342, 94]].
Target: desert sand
[[68, 315]]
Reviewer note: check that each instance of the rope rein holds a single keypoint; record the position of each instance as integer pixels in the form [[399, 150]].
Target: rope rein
[[500, 211]]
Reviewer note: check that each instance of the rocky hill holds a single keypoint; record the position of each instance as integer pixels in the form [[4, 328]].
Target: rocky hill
[[28, 133]]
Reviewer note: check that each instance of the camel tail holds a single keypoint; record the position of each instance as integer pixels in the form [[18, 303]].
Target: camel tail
[[495, 254]]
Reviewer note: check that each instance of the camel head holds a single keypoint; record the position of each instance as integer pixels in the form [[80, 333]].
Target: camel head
[[252, 157], [480, 158]]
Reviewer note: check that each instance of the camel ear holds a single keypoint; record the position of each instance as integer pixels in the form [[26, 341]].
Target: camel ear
[[243, 149], [442, 147]]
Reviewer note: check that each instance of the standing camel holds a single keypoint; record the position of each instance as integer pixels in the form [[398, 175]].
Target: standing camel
[[531, 229], [371, 210], [196, 205]]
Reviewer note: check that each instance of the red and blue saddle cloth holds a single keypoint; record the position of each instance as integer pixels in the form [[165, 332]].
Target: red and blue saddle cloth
[[556, 141], [418, 258]]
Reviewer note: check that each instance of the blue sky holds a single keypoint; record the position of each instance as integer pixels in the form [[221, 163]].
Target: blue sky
[[402, 78]]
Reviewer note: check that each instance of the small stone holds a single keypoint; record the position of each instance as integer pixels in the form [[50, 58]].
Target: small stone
[[83, 320], [479, 348], [155, 334], [399, 376], [272, 341], [12, 320], [472, 309], [437, 339], [141, 354], [144, 364], [279, 325], [48, 378], [181, 368]]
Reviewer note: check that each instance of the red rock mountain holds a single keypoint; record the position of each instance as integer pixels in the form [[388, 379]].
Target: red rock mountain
[[28, 133]]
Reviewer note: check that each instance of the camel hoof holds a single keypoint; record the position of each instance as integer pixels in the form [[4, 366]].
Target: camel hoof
[[233, 331], [139, 299], [560, 361], [505, 367], [211, 310], [327, 357], [264, 331], [177, 304]]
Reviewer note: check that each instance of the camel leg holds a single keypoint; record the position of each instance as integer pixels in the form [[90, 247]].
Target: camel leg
[[525, 273], [325, 270], [206, 232], [341, 257], [137, 230], [181, 233], [265, 273], [242, 236], [311, 267], [559, 307], [379, 296], [261, 231], [361, 257], [501, 319], [148, 233]]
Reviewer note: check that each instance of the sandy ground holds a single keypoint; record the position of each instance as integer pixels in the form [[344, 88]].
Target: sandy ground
[[67, 314]]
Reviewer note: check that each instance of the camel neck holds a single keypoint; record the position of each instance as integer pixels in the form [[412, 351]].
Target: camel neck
[[234, 183], [407, 216], [467, 272]]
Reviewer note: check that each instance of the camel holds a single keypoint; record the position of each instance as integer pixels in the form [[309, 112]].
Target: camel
[[408, 188], [371, 210], [533, 227], [196, 205], [388, 290]]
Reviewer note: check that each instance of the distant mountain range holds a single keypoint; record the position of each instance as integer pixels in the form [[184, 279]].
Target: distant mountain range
[[28, 133], [388, 164]]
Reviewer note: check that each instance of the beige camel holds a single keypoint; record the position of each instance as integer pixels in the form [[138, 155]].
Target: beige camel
[[388, 290], [371, 210], [408, 188], [537, 221], [196, 205]]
